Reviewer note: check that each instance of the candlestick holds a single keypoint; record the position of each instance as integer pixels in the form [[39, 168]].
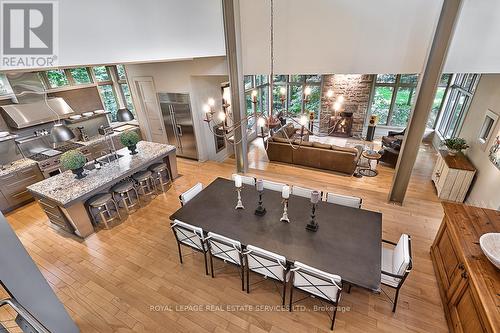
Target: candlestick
[[260, 208], [284, 217], [239, 204], [285, 192], [312, 225]]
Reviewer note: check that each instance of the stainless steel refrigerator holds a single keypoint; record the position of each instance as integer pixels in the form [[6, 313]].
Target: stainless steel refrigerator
[[178, 120]]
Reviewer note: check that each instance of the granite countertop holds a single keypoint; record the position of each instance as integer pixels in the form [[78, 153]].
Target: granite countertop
[[65, 189], [101, 138], [16, 166]]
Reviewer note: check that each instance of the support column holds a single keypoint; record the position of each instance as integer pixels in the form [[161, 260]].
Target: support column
[[232, 34], [425, 96]]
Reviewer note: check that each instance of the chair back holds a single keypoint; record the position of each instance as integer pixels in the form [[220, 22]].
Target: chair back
[[266, 263], [344, 200], [188, 235], [245, 179], [225, 248], [302, 191], [313, 281], [273, 186], [190, 194], [401, 259]]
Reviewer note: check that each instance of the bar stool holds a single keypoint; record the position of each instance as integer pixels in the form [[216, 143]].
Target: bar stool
[[161, 175], [145, 182], [123, 190], [101, 202]]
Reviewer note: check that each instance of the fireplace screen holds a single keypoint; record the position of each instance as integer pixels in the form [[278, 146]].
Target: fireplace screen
[[341, 124]]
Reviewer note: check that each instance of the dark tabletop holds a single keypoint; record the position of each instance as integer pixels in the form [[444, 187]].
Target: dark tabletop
[[347, 243]]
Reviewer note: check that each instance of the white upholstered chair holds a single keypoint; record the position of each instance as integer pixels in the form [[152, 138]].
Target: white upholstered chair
[[190, 236], [303, 192], [396, 264], [316, 283], [190, 194], [245, 179], [227, 249], [273, 186], [344, 200], [268, 264]]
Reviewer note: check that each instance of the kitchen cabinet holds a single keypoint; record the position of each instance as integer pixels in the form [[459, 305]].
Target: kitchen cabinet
[[13, 187], [452, 176], [468, 282]]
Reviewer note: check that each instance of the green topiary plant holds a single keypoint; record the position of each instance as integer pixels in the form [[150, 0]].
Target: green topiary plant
[[455, 145], [74, 160], [130, 139]]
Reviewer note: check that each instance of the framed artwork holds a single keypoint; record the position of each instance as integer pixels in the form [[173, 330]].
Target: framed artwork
[[487, 129], [495, 152]]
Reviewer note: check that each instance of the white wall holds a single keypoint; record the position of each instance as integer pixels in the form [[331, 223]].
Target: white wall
[[201, 78], [120, 31], [356, 36], [485, 189]]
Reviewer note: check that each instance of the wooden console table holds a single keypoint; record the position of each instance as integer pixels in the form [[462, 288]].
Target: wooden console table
[[469, 283], [452, 176]]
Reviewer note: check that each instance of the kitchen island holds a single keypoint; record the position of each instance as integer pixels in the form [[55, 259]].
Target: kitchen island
[[63, 197]]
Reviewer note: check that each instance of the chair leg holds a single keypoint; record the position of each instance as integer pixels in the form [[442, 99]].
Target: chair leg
[[291, 299], [284, 291], [211, 263], [395, 300], [242, 266], [248, 278], [180, 253], [349, 289], [333, 317], [206, 264]]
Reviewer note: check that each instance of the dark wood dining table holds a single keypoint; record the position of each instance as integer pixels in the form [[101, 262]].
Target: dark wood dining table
[[347, 243]]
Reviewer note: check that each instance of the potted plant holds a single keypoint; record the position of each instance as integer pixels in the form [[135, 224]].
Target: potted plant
[[74, 160], [129, 139], [455, 145]]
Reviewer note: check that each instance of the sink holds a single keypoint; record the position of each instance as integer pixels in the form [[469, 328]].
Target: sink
[[490, 244], [103, 160]]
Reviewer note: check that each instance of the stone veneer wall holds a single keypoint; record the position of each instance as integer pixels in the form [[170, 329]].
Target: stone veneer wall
[[356, 89]]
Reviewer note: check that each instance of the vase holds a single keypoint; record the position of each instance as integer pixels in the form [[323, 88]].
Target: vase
[[132, 149], [453, 152], [79, 173]]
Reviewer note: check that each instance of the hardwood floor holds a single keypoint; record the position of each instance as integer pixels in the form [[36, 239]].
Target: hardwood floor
[[129, 278]]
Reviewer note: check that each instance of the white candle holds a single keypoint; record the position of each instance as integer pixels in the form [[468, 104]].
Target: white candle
[[237, 181], [285, 193], [260, 185]]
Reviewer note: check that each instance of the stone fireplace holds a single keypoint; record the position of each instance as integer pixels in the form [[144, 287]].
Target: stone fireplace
[[356, 89]]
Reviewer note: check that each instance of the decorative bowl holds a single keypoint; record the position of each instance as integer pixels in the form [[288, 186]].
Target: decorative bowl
[[88, 114], [490, 244], [75, 117]]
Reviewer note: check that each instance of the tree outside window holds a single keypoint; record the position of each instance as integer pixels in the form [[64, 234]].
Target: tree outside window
[[80, 75], [101, 74], [109, 99], [57, 78]]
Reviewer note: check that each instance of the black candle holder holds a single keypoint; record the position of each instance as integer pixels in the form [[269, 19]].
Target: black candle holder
[[261, 210], [312, 225]]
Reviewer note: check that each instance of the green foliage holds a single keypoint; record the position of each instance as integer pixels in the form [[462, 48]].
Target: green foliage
[[73, 159], [456, 144], [129, 138], [109, 99], [80, 75], [57, 78], [101, 73]]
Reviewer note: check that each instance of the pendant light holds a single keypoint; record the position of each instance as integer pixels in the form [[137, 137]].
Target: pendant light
[[124, 115], [61, 133]]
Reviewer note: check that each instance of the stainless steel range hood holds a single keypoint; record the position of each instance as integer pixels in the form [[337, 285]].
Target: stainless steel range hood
[[40, 112]]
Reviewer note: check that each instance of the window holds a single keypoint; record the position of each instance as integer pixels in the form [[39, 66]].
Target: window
[[101, 74], [120, 70], [488, 124], [80, 75], [393, 98], [109, 99], [438, 100], [127, 96], [57, 78], [457, 103]]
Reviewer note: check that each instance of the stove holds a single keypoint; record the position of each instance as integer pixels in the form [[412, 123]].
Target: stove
[[48, 160]]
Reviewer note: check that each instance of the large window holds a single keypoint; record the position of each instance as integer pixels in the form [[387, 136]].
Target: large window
[[80, 75], [288, 93], [393, 98], [457, 103], [438, 100], [57, 78]]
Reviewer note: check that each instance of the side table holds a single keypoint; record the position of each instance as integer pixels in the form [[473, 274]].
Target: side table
[[372, 156]]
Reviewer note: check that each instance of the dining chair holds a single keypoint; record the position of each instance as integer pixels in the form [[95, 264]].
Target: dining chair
[[245, 179], [303, 192], [190, 194], [396, 264], [227, 249], [316, 283], [273, 186], [344, 200], [190, 236], [267, 264]]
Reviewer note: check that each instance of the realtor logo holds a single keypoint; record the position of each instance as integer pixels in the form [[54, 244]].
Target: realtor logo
[[29, 33]]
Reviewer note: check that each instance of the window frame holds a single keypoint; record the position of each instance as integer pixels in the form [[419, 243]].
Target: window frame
[[458, 88]]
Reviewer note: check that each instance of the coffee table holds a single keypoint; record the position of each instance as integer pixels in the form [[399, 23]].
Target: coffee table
[[370, 155]]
